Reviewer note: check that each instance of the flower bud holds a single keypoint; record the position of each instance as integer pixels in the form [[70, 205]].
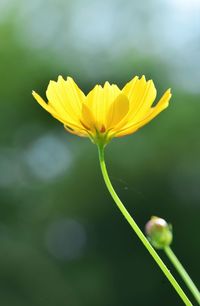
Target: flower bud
[[159, 232]]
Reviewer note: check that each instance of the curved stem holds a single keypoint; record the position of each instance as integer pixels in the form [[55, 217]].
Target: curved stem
[[137, 229], [183, 273]]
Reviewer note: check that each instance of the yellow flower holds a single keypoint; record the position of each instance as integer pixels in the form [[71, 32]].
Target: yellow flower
[[105, 112]]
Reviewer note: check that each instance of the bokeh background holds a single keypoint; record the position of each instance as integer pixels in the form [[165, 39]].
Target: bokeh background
[[62, 240]]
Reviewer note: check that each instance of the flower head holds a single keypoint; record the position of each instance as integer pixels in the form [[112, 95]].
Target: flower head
[[159, 232], [105, 112]]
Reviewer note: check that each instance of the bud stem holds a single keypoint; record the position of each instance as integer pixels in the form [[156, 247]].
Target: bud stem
[[137, 230], [183, 273]]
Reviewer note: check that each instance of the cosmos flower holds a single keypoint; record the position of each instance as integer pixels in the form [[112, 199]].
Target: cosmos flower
[[105, 112]]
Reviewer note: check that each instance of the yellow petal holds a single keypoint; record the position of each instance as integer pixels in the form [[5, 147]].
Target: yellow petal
[[110, 93], [51, 110], [47, 107], [78, 132], [129, 87], [118, 110], [136, 92], [145, 99], [93, 101], [41, 101], [72, 93], [87, 118], [141, 95], [99, 100], [77, 92], [66, 98], [148, 98], [153, 112]]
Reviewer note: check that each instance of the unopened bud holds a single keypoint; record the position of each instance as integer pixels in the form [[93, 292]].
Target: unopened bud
[[159, 232]]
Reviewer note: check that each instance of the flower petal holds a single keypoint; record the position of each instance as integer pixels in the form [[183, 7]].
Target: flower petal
[[93, 101], [66, 98], [87, 119], [47, 107], [71, 92], [99, 100], [145, 99], [78, 132], [75, 127], [110, 94], [117, 111], [128, 89], [153, 112], [42, 102]]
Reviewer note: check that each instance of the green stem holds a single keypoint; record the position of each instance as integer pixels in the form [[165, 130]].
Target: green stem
[[137, 229], [183, 273]]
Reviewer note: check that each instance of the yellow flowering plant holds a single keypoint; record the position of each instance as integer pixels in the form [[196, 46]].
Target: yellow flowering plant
[[104, 113]]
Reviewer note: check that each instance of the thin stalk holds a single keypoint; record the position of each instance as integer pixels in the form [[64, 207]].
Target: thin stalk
[[137, 229], [183, 273]]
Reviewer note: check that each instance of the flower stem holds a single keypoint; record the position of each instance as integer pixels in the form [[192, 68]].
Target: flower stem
[[183, 273], [137, 230]]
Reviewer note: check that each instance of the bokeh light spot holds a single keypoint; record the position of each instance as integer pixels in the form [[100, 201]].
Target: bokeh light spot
[[48, 157]]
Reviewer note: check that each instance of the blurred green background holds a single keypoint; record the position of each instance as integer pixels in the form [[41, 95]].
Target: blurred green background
[[62, 240]]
